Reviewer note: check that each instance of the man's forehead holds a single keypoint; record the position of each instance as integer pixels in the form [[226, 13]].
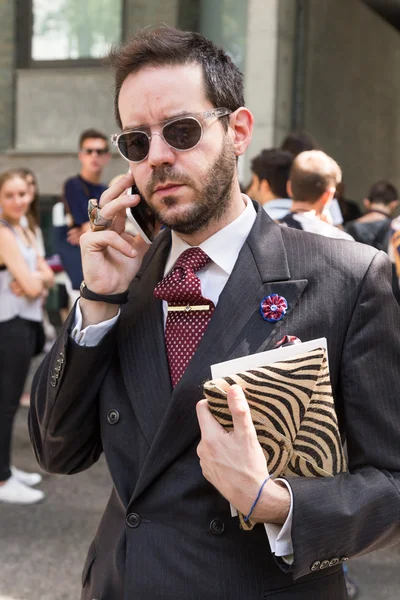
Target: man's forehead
[[93, 142], [158, 93]]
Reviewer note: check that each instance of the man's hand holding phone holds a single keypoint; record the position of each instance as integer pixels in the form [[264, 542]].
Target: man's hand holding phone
[[110, 258]]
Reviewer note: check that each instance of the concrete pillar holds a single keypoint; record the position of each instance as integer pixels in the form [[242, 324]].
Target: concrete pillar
[[7, 51], [269, 73]]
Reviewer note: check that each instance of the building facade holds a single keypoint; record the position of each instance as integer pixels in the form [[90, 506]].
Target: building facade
[[331, 68]]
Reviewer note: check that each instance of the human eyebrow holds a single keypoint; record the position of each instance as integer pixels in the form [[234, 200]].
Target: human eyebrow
[[169, 118]]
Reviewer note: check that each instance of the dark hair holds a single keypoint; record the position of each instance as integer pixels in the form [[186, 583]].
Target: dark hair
[[32, 215], [312, 173], [383, 192], [90, 134], [273, 165], [168, 46], [299, 141]]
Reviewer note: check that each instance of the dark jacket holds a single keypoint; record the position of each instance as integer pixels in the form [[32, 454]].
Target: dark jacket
[[166, 533]]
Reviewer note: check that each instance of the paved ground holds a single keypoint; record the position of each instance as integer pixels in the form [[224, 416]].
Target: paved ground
[[42, 548]]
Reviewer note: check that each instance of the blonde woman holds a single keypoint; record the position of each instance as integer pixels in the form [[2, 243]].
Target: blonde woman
[[24, 277]]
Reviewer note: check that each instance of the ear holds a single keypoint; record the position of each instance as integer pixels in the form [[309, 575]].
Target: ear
[[393, 205], [264, 187], [241, 125], [289, 189], [367, 203], [328, 196]]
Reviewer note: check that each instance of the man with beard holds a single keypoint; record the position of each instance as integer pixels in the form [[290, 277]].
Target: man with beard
[[125, 376]]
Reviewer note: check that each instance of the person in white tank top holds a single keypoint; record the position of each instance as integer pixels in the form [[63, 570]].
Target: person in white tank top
[[24, 277]]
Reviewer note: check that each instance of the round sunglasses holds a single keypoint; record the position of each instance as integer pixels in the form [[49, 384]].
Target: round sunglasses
[[181, 133]]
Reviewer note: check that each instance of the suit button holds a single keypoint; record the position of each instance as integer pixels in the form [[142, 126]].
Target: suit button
[[58, 364], [113, 417], [333, 562], [324, 564], [61, 357], [217, 526], [53, 381], [343, 559], [315, 566], [133, 520]]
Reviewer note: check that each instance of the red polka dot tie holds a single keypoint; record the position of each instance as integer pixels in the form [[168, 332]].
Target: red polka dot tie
[[184, 329]]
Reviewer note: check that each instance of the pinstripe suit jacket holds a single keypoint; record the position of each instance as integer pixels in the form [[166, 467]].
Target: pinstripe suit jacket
[[166, 533]]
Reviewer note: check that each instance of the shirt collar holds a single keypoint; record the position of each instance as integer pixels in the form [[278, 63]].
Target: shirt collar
[[279, 203], [224, 246]]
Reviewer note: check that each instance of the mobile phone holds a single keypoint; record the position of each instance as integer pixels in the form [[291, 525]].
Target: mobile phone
[[141, 217]]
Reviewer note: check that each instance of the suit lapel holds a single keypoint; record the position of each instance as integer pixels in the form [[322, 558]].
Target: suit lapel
[[141, 342], [236, 329]]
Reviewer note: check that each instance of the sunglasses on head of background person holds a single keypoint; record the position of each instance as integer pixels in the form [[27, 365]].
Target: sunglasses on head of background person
[[99, 151], [179, 133]]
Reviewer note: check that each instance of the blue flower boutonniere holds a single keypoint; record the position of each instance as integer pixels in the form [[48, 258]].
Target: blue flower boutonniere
[[273, 308]]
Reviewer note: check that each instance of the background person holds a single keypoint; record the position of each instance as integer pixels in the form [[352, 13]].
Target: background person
[[70, 221], [377, 227], [24, 277], [302, 141], [312, 184], [32, 220], [373, 228], [270, 174], [93, 155], [32, 217]]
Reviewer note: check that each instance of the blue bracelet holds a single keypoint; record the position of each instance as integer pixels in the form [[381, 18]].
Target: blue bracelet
[[246, 519]]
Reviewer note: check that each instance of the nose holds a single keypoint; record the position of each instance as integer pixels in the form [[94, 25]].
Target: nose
[[160, 153]]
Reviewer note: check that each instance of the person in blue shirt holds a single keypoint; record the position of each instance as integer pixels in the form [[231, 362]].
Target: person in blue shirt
[[93, 155]]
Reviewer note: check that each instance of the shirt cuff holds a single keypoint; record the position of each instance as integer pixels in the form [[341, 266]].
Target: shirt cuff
[[92, 334], [280, 536]]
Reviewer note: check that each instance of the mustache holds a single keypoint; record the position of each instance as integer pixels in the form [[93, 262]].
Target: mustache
[[163, 174]]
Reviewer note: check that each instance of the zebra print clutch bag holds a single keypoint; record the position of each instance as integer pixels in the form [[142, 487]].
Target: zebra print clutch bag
[[293, 412]]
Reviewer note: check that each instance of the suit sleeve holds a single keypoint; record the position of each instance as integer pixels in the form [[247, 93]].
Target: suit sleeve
[[63, 418], [359, 511]]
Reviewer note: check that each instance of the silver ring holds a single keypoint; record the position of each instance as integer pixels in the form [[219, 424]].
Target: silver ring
[[97, 222]]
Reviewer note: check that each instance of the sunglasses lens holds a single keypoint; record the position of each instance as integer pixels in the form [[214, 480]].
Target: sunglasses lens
[[182, 134], [134, 145]]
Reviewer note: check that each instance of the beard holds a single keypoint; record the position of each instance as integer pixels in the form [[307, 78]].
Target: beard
[[212, 198]]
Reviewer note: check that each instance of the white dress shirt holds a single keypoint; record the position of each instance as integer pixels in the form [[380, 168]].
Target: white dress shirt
[[223, 248]]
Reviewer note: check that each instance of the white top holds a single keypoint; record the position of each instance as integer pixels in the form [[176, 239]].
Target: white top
[[278, 208], [12, 306], [313, 224]]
